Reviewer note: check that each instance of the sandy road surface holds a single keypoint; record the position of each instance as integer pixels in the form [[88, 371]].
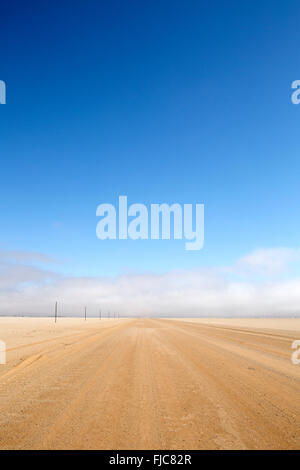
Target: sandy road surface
[[158, 384]]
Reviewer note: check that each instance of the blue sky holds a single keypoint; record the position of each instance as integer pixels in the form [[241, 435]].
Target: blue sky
[[161, 101]]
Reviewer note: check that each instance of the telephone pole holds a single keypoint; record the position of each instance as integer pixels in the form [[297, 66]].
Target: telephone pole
[[55, 312], [85, 313], [100, 314]]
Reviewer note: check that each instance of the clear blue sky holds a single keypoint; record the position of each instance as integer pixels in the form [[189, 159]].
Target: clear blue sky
[[163, 101]]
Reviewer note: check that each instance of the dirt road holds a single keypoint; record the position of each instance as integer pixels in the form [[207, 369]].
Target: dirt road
[[150, 384]]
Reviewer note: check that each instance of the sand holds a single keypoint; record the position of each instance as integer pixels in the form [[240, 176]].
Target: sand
[[149, 384]]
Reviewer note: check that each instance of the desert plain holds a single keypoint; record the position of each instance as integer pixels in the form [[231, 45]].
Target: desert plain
[[149, 384]]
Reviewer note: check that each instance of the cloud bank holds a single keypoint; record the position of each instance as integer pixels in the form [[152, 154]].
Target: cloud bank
[[257, 284]]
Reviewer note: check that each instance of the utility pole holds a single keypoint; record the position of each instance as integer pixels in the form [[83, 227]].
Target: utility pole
[[55, 312], [100, 314], [108, 314], [85, 313]]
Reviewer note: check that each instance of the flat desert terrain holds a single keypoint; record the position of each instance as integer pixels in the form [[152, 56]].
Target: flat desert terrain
[[149, 384]]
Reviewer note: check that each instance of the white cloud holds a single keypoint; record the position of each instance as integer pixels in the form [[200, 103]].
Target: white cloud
[[268, 261], [25, 257], [13, 276], [204, 291], [19, 268]]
